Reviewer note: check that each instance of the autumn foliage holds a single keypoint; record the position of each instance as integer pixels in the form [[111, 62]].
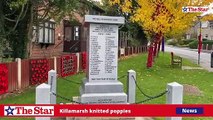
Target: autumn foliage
[[160, 18]]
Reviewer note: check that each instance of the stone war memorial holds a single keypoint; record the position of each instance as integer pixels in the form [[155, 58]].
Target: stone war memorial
[[101, 86]]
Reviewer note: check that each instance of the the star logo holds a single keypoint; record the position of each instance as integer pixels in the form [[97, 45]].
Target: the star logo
[[184, 9], [9, 110]]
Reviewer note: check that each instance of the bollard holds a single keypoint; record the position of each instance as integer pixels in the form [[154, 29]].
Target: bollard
[[52, 82], [174, 96], [131, 87], [43, 97]]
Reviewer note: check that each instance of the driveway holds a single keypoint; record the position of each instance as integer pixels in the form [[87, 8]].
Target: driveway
[[205, 61]]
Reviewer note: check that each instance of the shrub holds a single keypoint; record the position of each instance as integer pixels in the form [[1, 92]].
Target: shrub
[[186, 42], [209, 42], [193, 44], [134, 42], [172, 42], [204, 39]]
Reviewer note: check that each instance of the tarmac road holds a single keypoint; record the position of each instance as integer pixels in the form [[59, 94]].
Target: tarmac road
[[192, 54]]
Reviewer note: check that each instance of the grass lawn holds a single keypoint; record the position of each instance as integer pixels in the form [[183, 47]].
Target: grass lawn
[[152, 81]]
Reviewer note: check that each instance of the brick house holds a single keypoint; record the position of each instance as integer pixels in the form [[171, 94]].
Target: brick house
[[63, 38], [206, 31]]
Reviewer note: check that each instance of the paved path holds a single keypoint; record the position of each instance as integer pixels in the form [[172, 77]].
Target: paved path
[[187, 53]]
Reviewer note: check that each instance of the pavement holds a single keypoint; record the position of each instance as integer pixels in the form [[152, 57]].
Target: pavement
[[192, 54]]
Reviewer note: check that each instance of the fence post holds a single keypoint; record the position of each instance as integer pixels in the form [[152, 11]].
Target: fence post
[[78, 59], [174, 96], [138, 49], [124, 51], [55, 63], [43, 97], [142, 50], [53, 84], [131, 86], [18, 60], [132, 50]]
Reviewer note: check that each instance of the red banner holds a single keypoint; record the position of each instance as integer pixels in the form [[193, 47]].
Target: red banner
[[106, 110], [200, 44], [150, 57]]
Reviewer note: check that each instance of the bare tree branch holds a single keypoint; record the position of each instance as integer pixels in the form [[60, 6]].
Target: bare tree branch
[[11, 20], [11, 13], [17, 21], [25, 12]]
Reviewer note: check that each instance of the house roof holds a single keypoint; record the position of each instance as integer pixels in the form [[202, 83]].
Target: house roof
[[98, 8]]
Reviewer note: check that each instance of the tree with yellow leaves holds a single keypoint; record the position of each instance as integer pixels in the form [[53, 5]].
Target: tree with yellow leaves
[[160, 18]]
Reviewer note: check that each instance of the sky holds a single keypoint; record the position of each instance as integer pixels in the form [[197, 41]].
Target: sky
[[210, 11]]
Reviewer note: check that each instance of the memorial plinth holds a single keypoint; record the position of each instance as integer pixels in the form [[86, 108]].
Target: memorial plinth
[[101, 84]]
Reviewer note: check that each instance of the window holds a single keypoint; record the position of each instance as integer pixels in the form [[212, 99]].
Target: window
[[68, 33], [47, 33], [71, 33], [76, 32]]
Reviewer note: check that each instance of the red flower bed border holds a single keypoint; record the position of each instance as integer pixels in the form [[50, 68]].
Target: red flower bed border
[[39, 71], [3, 78]]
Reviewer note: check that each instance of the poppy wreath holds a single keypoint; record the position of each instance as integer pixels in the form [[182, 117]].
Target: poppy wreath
[[84, 59], [3, 78], [39, 71], [68, 65]]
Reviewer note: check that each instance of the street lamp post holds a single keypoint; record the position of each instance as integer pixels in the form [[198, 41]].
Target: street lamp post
[[199, 40]]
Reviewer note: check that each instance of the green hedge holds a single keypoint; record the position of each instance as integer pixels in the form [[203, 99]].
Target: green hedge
[[209, 42], [204, 39], [193, 44], [186, 42]]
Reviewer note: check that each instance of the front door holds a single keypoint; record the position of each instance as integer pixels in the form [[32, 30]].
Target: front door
[[72, 42]]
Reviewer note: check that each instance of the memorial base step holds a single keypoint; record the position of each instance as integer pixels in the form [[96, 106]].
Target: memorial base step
[[104, 98], [101, 87]]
